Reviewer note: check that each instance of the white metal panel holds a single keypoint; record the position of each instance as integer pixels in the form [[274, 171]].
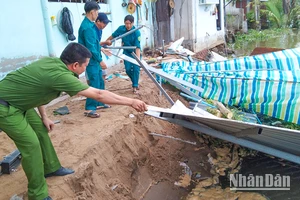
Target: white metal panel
[[281, 142]]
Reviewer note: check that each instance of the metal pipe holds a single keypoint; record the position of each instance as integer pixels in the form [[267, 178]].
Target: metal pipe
[[183, 89], [163, 48], [173, 138], [189, 97], [48, 28], [152, 78], [128, 33], [163, 74], [242, 70], [160, 82], [173, 78], [122, 47], [195, 23]]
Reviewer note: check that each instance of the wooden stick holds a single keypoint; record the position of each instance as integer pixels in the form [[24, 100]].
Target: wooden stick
[[223, 109]]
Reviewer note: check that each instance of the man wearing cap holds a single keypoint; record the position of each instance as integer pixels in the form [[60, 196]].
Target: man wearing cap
[[87, 36], [101, 22]]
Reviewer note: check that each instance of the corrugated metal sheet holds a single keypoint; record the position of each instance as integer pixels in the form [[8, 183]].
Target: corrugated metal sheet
[[280, 142]]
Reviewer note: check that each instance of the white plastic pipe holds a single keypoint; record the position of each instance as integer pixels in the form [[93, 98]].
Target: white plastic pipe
[[48, 28]]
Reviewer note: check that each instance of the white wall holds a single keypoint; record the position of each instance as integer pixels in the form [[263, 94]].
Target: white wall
[[206, 28], [119, 12], [59, 38], [23, 38], [182, 19], [77, 12], [22, 35], [116, 14], [234, 17], [196, 24]]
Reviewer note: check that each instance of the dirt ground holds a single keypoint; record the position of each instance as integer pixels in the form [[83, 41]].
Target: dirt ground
[[113, 156]]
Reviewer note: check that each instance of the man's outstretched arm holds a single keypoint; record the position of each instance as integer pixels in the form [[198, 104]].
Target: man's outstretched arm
[[107, 97]]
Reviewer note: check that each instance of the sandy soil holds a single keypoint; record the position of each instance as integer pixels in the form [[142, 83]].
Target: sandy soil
[[111, 153]]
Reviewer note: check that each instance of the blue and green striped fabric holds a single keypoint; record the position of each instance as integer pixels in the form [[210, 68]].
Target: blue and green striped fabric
[[267, 83]]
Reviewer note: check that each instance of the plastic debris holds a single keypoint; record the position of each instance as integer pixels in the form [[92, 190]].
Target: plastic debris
[[62, 111], [16, 197], [114, 187], [186, 177]]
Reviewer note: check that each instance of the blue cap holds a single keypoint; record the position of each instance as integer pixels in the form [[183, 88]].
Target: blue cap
[[102, 17]]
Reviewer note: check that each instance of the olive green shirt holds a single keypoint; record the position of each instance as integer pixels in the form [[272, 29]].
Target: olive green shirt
[[39, 83]]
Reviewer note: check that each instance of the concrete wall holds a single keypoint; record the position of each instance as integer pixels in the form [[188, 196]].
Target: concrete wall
[[235, 17], [23, 36], [196, 23], [115, 12]]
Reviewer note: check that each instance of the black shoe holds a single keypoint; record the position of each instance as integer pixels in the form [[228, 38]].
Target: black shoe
[[60, 172], [48, 198]]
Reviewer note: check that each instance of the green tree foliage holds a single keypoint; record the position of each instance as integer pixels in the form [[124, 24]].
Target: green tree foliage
[[256, 8], [294, 17], [274, 10]]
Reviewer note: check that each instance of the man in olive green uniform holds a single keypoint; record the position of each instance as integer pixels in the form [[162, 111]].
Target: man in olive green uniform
[[132, 70], [34, 86]]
